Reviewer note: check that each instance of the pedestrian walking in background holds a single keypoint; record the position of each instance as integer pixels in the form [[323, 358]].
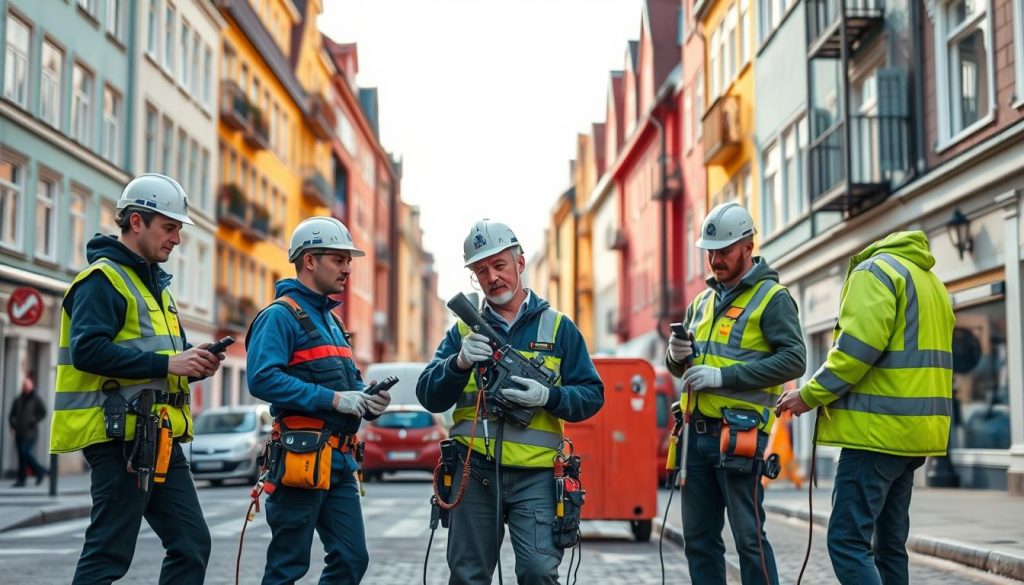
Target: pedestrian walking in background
[[122, 347], [885, 393], [27, 412], [747, 331]]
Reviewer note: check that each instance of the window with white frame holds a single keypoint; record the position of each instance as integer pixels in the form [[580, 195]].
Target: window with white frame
[[746, 41], [12, 187], [207, 74], [182, 159], [108, 219], [81, 104], [698, 107], [688, 119], [151, 139], [50, 76], [204, 178], [193, 167], [77, 205], [16, 61], [772, 194], [89, 6], [183, 67], [714, 59], [111, 124], [169, 17], [181, 281], [115, 23], [729, 45], [784, 194], [964, 66], [152, 25], [168, 146], [794, 162], [193, 83], [46, 217]]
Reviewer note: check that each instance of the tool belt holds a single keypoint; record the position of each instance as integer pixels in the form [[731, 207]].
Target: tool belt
[[150, 450], [739, 433], [300, 450]]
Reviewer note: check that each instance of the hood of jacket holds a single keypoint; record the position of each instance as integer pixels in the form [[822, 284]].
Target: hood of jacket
[[911, 246], [111, 248]]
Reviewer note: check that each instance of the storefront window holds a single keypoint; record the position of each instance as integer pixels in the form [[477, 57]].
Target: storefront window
[[981, 416]]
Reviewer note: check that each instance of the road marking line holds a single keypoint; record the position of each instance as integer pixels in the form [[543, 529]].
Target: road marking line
[[49, 530]]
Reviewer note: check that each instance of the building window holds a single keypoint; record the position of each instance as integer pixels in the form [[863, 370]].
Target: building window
[[107, 218], [76, 255], [784, 194], [16, 63], [688, 120], [168, 146], [729, 49], [111, 124], [50, 76], [152, 20], [715, 57], [12, 186], [746, 43], [193, 81], [698, 107], [981, 385], [691, 251], [114, 23], [182, 157], [169, 38], [183, 69], [46, 219], [773, 195], [181, 281], [204, 179], [151, 139], [207, 75], [193, 167], [89, 6], [81, 109], [964, 66]]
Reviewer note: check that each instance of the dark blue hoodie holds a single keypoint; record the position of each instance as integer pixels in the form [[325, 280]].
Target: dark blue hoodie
[[275, 335], [97, 314]]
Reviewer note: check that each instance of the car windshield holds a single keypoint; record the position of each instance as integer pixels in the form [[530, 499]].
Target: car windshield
[[225, 422], [405, 420]]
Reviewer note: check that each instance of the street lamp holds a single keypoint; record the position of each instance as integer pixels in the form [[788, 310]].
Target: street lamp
[[959, 229]]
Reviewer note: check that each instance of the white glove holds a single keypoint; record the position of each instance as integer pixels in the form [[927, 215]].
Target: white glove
[[702, 378], [350, 403], [536, 394], [474, 349], [679, 349], [378, 403]]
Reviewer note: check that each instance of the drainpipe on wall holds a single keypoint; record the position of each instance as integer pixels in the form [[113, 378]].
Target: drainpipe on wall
[[917, 43]]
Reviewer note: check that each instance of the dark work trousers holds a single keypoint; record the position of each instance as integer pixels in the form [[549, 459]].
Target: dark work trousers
[[27, 460], [709, 493], [335, 513], [870, 522], [118, 507], [528, 506]]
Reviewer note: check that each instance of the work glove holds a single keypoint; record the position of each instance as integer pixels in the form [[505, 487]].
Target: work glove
[[679, 349], [378, 403], [702, 378], [474, 349], [536, 394], [350, 403]]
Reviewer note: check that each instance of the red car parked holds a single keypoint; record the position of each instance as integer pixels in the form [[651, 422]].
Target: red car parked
[[405, 437]]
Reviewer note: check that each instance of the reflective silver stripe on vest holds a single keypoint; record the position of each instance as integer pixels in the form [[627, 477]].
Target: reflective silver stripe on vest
[[546, 326], [736, 336], [879, 273], [735, 353], [894, 405], [512, 434], [761, 397], [145, 323], [918, 358], [911, 314], [144, 344], [698, 315], [177, 343], [856, 348], [95, 398], [831, 382]]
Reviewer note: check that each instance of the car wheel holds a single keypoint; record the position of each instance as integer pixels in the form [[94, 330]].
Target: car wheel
[[216, 482], [641, 530]]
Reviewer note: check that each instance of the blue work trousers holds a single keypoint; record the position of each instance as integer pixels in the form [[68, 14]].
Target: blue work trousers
[[709, 493], [527, 506], [870, 522], [118, 507], [335, 514]]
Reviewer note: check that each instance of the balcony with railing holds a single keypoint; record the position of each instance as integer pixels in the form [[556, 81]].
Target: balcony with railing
[[316, 187], [257, 134], [258, 227], [234, 106], [382, 253], [321, 118], [234, 312], [231, 206], [879, 156], [722, 132], [825, 20]]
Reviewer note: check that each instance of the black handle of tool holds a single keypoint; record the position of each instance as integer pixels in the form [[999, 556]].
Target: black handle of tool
[[221, 345], [464, 309], [385, 384]]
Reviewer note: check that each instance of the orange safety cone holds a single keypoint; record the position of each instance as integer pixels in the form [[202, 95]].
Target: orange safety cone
[[780, 442]]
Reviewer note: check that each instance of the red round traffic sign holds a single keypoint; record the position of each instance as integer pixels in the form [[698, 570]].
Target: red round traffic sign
[[25, 306]]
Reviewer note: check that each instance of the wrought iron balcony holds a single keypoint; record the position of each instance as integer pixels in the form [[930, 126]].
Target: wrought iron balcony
[[234, 313], [316, 188], [824, 24], [722, 132], [234, 106], [382, 253], [258, 227], [879, 155], [231, 206], [321, 118], [257, 134]]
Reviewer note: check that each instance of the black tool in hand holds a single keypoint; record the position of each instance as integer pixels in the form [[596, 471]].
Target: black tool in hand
[[378, 387], [679, 331], [221, 345]]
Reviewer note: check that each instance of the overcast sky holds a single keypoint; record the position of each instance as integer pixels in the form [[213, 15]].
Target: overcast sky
[[483, 100]]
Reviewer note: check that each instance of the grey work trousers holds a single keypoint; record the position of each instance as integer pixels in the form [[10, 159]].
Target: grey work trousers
[[528, 507]]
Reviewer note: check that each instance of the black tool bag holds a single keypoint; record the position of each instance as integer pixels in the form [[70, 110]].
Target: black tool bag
[[566, 528]]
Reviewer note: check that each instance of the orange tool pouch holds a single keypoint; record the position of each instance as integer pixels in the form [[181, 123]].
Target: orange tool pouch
[[164, 443], [306, 449], [739, 440]]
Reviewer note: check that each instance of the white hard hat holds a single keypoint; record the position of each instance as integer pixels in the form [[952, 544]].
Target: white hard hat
[[487, 238], [321, 233], [727, 224], [156, 192]]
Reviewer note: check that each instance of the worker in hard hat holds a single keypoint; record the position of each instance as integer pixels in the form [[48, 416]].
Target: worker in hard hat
[[120, 336], [493, 255], [749, 343], [300, 361]]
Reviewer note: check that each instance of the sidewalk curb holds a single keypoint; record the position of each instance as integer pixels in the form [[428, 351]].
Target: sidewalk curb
[[1002, 563], [48, 515]]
